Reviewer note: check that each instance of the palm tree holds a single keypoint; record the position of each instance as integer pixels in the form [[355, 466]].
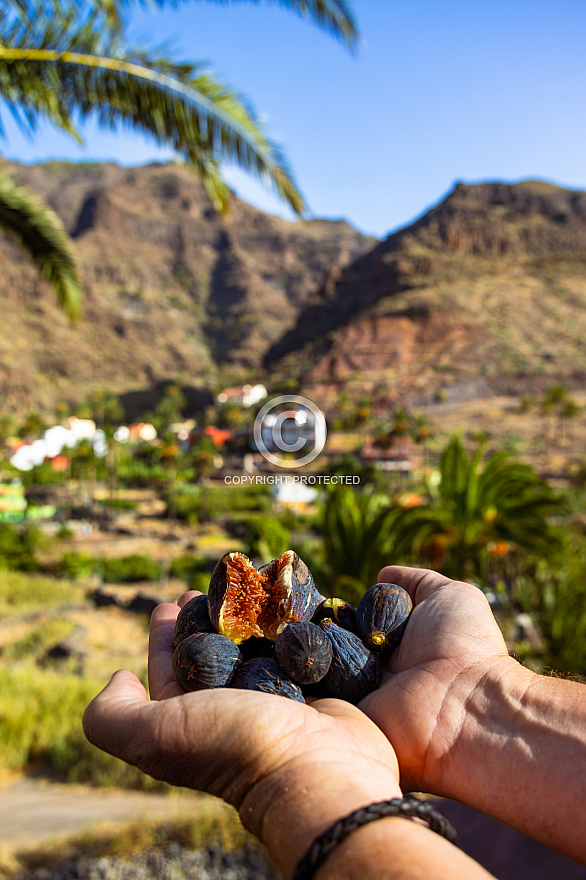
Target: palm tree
[[64, 60], [555, 597], [479, 512], [357, 541]]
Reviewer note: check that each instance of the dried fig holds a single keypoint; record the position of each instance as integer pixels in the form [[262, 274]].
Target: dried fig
[[342, 612], [193, 618], [382, 615], [354, 671], [205, 660], [264, 674], [304, 652]]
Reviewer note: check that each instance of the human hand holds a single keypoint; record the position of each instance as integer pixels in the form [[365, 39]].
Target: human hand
[[469, 722], [290, 769], [451, 644]]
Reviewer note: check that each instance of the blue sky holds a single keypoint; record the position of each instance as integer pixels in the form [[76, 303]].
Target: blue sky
[[438, 92]]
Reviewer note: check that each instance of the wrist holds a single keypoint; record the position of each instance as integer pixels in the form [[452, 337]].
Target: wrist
[[490, 700], [520, 753], [290, 809]]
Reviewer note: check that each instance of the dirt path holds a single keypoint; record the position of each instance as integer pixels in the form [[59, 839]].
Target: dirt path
[[32, 811]]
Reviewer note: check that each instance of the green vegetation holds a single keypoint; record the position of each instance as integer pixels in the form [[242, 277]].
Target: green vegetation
[[191, 569], [40, 722], [40, 639], [198, 504], [18, 545], [123, 570], [555, 598], [21, 593], [118, 503], [476, 509], [130, 569]]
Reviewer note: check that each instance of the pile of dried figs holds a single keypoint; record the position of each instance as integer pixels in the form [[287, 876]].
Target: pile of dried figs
[[270, 630]]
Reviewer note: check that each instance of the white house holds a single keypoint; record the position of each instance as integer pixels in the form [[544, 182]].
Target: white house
[[242, 395]]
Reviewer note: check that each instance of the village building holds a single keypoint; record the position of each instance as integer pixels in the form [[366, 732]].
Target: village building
[[398, 457], [294, 496], [242, 395]]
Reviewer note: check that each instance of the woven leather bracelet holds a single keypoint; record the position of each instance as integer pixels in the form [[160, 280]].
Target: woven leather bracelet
[[409, 807]]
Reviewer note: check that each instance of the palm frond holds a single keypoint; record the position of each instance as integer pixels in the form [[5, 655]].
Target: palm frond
[[106, 13], [200, 118], [40, 232], [333, 16]]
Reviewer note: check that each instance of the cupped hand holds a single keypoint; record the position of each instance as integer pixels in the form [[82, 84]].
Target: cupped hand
[[257, 751], [451, 643]]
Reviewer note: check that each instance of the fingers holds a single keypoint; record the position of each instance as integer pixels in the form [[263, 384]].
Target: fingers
[[186, 597], [112, 720], [419, 582], [162, 685]]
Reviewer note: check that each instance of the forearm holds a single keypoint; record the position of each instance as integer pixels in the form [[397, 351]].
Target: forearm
[[290, 813], [521, 755]]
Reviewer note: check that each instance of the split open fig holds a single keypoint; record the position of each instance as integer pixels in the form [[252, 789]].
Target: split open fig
[[246, 602]]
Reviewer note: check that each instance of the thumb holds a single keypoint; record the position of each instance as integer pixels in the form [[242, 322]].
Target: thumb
[[112, 720], [419, 582]]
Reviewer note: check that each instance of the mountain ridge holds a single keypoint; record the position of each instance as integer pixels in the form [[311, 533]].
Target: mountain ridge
[[173, 291], [486, 291], [430, 292]]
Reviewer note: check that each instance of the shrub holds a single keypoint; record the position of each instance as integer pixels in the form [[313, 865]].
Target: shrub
[[42, 475], [18, 545], [77, 565], [40, 722], [119, 503], [555, 597], [140, 473], [266, 537], [20, 593], [187, 566], [129, 569], [203, 504]]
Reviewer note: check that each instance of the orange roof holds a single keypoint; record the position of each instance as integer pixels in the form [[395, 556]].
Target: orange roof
[[218, 436]]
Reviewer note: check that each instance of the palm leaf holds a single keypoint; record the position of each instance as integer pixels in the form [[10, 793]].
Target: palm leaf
[[201, 119], [40, 232], [334, 16]]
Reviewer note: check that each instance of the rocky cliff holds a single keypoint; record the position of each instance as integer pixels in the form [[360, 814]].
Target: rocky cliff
[[486, 291], [172, 289]]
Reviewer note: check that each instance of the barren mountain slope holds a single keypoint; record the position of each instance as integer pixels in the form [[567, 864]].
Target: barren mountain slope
[[173, 290], [486, 290]]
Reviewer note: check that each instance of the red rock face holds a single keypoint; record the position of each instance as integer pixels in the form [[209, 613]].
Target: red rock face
[[476, 294], [379, 346]]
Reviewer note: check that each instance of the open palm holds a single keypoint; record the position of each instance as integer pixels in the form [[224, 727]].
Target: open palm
[[450, 641], [232, 743]]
